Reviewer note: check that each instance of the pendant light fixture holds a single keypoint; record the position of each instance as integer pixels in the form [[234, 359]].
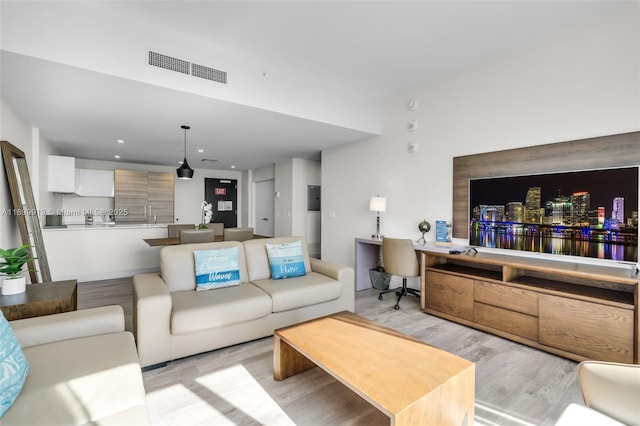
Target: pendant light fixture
[[184, 171]]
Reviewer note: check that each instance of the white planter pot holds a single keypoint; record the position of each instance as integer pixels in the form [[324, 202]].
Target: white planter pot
[[14, 286]]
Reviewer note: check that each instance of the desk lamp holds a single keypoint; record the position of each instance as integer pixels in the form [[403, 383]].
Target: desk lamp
[[377, 204]]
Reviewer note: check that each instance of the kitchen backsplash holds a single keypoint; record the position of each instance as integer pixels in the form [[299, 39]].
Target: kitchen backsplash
[[75, 208]]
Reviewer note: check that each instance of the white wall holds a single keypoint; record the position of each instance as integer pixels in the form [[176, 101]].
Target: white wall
[[253, 176], [306, 223], [305, 173], [46, 201], [15, 130], [291, 180], [582, 82], [282, 223]]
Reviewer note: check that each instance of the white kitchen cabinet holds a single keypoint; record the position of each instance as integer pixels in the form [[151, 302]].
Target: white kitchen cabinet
[[94, 183], [61, 174]]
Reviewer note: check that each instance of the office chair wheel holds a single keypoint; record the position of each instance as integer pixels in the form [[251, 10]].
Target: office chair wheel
[[380, 297], [397, 307]]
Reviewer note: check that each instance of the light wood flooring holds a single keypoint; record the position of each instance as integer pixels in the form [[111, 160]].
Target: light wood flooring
[[515, 384]]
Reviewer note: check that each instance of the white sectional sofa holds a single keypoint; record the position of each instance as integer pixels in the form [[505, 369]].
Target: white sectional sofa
[[173, 320], [83, 369]]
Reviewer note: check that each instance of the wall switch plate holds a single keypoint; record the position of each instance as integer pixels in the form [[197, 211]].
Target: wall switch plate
[[412, 147], [412, 126]]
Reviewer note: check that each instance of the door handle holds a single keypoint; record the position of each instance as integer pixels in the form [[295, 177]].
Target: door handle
[[264, 218]]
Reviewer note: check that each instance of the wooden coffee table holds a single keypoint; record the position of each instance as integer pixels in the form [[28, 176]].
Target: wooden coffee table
[[41, 299], [409, 381]]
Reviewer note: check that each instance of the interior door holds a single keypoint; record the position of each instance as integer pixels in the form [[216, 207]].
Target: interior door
[[264, 207], [223, 195]]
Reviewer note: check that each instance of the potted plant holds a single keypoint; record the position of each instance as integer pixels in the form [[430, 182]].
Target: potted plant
[[206, 210], [11, 267]]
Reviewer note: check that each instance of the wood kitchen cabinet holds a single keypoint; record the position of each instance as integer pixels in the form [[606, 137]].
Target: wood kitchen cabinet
[[160, 195], [140, 195]]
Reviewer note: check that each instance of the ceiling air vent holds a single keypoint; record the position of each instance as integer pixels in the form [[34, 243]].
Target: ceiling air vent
[[209, 73], [208, 160], [185, 67], [168, 63]]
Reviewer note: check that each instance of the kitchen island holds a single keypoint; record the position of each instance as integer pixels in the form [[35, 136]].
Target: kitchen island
[[98, 252]]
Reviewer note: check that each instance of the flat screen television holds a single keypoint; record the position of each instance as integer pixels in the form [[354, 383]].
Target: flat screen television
[[590, 213]]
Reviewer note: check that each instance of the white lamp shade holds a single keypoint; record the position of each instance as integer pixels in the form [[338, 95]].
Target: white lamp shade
[[378, 204]]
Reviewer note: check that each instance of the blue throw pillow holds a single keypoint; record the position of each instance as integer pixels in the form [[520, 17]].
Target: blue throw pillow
[[217, 268], [285, 260], [13, 366]]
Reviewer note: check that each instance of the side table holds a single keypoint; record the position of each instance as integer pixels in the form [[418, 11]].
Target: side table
[[41, 299]]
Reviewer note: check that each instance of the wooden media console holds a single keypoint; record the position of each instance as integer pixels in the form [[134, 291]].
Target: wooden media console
[[573, 310]]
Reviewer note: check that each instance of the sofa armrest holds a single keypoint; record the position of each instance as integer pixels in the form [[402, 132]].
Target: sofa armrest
[[332, 270], [341, 273], [152, 306], [68, 325]]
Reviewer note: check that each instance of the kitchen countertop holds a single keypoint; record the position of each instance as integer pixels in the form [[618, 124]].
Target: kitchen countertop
[[103, 226]]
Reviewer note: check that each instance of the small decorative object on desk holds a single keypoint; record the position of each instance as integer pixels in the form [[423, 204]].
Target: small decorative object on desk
[[207, 213], [11, 266], [423, 227], [444, 231]]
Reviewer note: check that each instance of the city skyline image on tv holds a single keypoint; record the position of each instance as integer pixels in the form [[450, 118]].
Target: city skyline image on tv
[[592, 213]]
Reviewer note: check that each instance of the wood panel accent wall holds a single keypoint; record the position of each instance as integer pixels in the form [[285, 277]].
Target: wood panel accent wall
[[594, 153]]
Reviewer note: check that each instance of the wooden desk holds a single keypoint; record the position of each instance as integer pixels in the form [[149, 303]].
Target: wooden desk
[[409, 381], [41, 299], [368, 254]]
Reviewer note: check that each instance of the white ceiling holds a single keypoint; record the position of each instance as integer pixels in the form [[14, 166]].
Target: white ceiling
[[302, 76]]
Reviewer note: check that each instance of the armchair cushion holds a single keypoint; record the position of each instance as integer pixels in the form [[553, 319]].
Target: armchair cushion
[[68, 325], [611, 388], [14, 367], [88, 380], [576, 414]]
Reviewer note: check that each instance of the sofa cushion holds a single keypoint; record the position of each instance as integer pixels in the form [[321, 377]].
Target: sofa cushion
[[14, 367], [89, 380], [216, 268], [202, 310], [285, 260], [258, 262], [298, 292], [177, 266]]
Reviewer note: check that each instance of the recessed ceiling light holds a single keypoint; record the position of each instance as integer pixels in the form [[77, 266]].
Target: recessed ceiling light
[[180, 162], [201, 150], [120, 141], [233, 167], [116, 156]]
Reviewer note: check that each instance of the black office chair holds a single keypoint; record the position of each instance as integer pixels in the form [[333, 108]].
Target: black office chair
[[399, 258]]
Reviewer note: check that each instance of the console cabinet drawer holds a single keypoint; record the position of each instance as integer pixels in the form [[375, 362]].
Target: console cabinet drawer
[[522, 325], [511, 298], [449, 294], [589, 329]]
